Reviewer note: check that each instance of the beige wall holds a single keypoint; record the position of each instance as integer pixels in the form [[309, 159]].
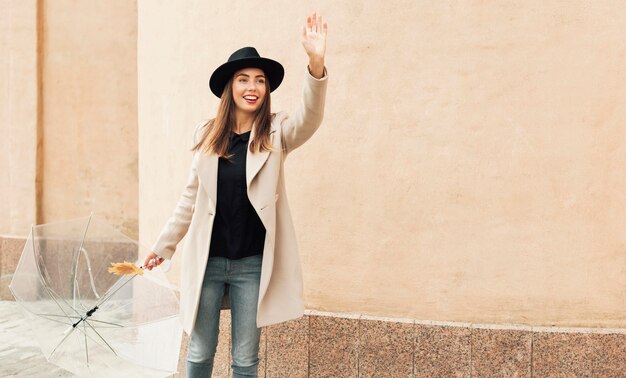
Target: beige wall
[[82, 109], [470, 166], [68, 113], [18, 115], [90, 111]]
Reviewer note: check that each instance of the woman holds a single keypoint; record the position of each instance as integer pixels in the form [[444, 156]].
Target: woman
[[234, 208]]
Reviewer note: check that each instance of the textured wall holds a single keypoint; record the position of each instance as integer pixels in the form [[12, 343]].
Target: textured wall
[[470, 166], [68, 112], [89, 118], [18, 115]]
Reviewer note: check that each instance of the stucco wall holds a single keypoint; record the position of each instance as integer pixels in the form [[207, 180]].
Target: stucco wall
[[68, 112], [18, 115], [90, 111], [470, 165]]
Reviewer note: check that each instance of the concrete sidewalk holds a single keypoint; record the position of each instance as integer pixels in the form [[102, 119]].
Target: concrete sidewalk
[[20, 355]]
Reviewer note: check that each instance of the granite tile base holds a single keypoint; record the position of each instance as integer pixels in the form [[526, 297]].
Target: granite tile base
[[325, 346], [442, 351], [609, 355], [385, 348], [562, 355], [263, 353], [333, 347], [10, 252], [288, 349], [501, 353]]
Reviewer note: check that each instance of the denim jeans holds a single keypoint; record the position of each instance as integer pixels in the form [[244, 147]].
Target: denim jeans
[[243, 278]]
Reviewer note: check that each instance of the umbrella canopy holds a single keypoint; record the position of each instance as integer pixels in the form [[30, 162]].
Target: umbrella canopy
[[87, 320]]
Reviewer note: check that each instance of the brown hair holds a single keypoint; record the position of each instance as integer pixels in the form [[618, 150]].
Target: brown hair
[[216, 132]]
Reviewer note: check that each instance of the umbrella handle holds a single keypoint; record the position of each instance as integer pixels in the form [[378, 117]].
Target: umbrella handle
[[88, 314], [165, 266]]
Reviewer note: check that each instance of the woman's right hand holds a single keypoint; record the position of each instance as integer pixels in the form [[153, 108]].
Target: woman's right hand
[[152, 260], [314, 41]]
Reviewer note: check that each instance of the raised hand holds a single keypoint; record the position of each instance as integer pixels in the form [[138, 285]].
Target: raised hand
[[314, 42]]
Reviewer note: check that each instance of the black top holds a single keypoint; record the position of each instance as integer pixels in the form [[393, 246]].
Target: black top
[[237, 229]]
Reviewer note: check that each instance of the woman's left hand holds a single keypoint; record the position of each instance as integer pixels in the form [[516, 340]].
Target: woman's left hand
[[152, 261], [314, 42]]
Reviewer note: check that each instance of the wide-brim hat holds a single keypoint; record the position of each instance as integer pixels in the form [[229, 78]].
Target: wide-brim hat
[[245, 58]]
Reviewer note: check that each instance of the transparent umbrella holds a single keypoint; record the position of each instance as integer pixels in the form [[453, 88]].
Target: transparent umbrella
[[87, 320]]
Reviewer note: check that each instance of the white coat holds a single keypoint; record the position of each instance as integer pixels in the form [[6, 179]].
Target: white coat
[[280, 293]]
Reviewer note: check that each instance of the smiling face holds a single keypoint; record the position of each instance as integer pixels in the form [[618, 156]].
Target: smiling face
[[249, 88]]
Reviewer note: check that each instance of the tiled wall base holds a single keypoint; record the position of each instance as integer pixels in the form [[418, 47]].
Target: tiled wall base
[[335, 345], [10, 252], [339, 345]]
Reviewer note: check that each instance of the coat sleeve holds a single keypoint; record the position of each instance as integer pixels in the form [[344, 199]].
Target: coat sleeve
[[177, 225], [299, 127]]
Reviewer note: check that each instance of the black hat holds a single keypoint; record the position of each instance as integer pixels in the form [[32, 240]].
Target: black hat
[[245, 58]]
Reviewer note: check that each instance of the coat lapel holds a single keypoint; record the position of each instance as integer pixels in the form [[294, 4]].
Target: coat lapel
[[254, 162], [207, 172], [208, 164]]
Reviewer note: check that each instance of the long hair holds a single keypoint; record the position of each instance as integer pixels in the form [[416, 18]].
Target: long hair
[[216, 132]]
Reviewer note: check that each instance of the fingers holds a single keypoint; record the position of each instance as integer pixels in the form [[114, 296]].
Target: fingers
[[318, 25], [152, 260], [315, 24], [314, 33], [311, 22], [147, 261], [153, 263]]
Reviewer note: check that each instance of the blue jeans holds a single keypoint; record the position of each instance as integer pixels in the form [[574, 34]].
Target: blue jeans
[[243, 277]]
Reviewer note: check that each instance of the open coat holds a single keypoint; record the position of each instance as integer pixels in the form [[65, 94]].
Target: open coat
[[280, 293]]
